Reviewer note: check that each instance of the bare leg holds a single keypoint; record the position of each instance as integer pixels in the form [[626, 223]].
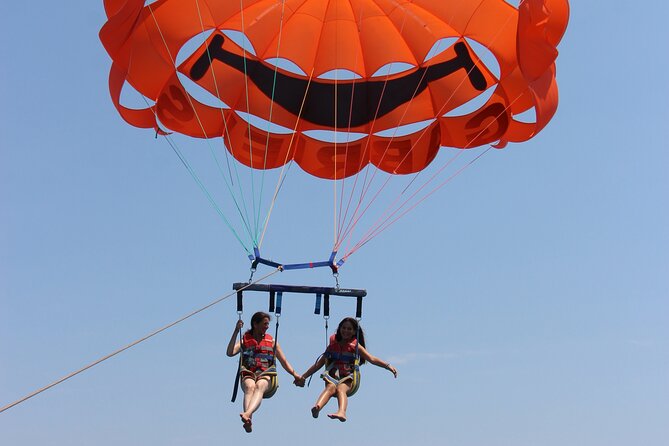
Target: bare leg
[[253, 393], [342, 400], [248, 387], [323, 399], [256, 398]]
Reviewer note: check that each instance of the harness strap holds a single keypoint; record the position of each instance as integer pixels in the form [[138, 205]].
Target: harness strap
[[317, 309], [239, 366]]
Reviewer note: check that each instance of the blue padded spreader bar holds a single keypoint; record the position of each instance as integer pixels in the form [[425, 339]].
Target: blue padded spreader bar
[[330, 263]]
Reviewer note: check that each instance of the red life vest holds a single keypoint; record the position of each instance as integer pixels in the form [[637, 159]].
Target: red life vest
[[341, 358], [257, 356]]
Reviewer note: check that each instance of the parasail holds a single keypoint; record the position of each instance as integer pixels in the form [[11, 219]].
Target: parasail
[[337, 86]]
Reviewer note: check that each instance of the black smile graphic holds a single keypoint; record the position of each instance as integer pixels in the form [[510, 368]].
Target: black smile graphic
[[362, 98]]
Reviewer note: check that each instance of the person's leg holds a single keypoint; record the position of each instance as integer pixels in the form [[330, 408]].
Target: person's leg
[[342, 400], [249, 388], [261, 386], [323, 399], [253, 393]]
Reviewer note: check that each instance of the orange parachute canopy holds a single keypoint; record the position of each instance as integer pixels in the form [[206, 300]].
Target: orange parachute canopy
[[344, 83]]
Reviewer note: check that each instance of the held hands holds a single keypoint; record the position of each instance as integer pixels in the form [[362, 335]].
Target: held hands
[[299, 381]]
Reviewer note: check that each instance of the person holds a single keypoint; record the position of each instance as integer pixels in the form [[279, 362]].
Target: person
[[340, 357], [259, 353]]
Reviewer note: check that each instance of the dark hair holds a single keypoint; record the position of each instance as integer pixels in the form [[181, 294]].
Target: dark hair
[[258, 317], [358, 333]]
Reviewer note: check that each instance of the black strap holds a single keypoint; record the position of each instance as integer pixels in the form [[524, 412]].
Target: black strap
[[239, 367], [277, 315], [271, 301], [240, 305]]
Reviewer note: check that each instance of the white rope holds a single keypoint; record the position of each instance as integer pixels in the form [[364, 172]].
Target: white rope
[[132, 344]]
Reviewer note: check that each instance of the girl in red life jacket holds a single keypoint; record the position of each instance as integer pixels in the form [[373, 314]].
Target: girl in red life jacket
[[340, 376], [258, 363]]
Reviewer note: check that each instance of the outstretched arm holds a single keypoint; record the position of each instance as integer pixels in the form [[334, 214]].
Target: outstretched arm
[[284, 362], [233, 345], [364, 354], [320, 362]]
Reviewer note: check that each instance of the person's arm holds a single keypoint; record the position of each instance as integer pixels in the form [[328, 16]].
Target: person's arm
[[364, 354], [284, 362], [234, 345], [314, 368], [301, 379]]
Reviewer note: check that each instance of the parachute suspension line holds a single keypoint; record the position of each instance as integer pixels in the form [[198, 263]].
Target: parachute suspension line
[[281, 179], [248, 124], [344, 213], [218, 95], [448, 163], [365, 185], [132, 344], [334, 165], [388, 209], [413, 145], [202, 187], [363, 188], [271, 109], [182, 157], [245, 215], [374, 231], [368, 185], [206, 192], [387, 223], [355, 221], [379, 227], [284, 170]]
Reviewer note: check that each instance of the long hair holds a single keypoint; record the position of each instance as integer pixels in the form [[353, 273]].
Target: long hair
[[257, 317], [358, 333]]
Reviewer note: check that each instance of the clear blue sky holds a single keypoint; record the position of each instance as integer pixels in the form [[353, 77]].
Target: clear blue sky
[[527, 303]]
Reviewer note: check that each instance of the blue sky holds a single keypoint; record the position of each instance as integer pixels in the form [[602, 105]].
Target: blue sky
[[525, 303]]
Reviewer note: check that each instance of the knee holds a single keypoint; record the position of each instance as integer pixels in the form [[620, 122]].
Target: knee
[[262, 386], [249, 386]]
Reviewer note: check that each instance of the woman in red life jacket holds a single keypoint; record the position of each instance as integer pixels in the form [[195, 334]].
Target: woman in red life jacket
[[258, 350], [346, 347]]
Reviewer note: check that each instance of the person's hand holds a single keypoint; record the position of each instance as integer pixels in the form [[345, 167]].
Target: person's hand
[[392, 370], [240, 324], [299, 381]]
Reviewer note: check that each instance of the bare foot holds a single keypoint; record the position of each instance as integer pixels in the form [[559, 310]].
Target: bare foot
[[337, 416], [248, 427], [314, 411]]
